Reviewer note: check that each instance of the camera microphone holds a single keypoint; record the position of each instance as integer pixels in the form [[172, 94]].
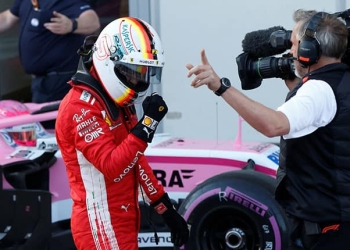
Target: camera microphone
[[267, 42], [257, 61]]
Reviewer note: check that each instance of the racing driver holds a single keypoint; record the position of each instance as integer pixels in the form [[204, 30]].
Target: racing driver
[[103, 142]]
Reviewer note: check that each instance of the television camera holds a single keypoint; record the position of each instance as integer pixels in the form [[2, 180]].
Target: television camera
[[257, 61]]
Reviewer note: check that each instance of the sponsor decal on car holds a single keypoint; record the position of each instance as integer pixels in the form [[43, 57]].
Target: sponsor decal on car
[[8, 139], [47, 143], [260, 147], [40, 131], [274, 157], [175, 178], [26, 153], [148, 240]]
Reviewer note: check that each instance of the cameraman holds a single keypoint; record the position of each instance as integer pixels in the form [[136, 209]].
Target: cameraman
[[314, 125]]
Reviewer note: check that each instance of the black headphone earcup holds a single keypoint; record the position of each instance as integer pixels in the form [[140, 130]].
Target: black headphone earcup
[[308, 51]]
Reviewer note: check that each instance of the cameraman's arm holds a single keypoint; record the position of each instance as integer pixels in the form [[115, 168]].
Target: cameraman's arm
[[267, 121]]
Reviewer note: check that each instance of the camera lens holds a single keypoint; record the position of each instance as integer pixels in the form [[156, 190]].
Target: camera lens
[[251, 71]]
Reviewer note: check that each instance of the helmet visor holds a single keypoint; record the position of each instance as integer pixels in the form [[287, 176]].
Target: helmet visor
[[23, 135], [138, 77], [24, 138]]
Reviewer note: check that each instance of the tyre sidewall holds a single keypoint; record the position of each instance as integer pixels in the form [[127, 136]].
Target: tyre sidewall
[[249, 193]]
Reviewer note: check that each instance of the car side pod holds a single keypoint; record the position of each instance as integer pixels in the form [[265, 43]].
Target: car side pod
[[30, 206], [235, 210]]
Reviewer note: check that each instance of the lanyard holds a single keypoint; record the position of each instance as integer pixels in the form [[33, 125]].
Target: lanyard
[[35, 4]]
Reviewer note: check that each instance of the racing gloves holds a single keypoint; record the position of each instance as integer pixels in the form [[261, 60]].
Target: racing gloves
[[154, 110], [178, 226]]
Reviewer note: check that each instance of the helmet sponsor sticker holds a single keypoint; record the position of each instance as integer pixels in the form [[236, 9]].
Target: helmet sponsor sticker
[[126, 38]]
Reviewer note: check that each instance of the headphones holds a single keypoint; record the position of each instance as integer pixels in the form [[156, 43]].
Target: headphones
[[309, 50]]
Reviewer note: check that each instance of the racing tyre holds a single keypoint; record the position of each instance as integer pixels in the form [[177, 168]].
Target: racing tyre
[[235, 210]]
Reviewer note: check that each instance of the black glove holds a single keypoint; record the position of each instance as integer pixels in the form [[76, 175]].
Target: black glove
[[178, 226], [154, 110]]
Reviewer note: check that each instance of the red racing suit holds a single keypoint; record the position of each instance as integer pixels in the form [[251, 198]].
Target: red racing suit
[[105, 166]]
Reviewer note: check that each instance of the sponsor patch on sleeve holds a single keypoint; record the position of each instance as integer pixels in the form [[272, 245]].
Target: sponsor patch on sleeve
[[85, 96], [149, 122], [160, 208]]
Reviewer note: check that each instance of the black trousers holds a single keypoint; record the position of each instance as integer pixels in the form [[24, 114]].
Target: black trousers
[[51, 87], [329, 236]]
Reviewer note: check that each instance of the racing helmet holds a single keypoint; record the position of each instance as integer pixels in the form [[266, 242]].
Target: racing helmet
[[23, 135], [128, 56]]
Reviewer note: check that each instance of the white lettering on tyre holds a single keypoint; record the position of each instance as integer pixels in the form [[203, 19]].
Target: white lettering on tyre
[[268, 245], [244, 200], [266, 229]]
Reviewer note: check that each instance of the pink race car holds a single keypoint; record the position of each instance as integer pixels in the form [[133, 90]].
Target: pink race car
[[224, 189]]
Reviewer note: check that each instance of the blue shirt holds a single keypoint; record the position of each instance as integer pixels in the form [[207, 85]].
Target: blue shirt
[[40, 50]]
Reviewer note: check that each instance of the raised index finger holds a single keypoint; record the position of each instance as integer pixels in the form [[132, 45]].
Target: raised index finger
[[204, 58]]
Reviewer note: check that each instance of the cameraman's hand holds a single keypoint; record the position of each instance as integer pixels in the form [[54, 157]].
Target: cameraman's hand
[[154, 109], [178, 226], [205, 74]]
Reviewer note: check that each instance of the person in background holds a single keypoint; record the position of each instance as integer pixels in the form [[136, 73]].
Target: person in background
[[102, 142], [314, 177], [50, 33]]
